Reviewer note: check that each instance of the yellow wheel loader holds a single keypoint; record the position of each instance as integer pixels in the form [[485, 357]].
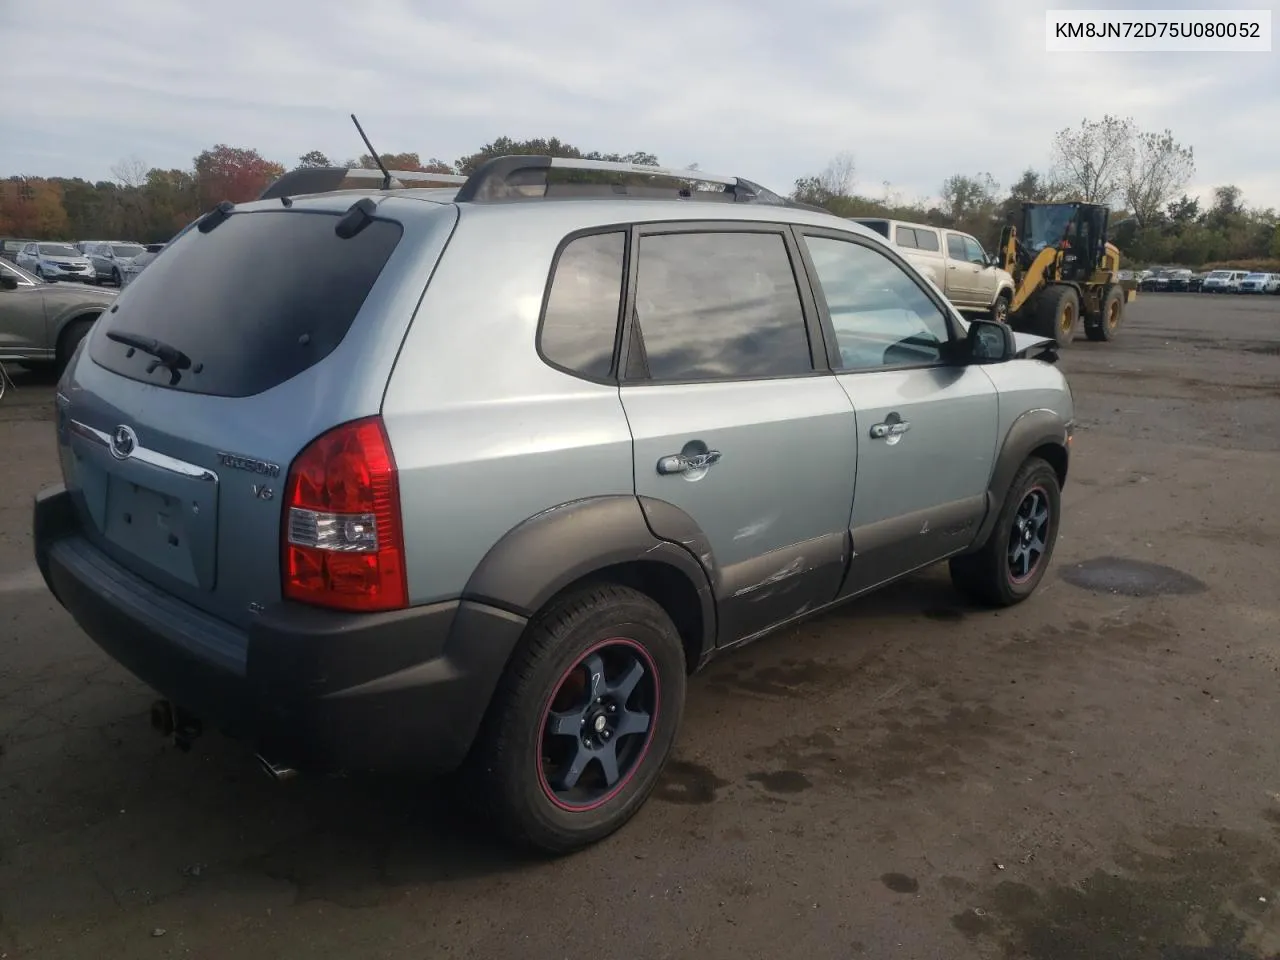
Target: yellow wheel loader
[[1065, 272]]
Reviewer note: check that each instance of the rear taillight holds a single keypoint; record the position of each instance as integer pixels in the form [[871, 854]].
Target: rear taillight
[[343, 544]]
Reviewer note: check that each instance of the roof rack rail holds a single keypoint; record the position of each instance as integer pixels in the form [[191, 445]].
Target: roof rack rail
[[515, 177], [327, 179]]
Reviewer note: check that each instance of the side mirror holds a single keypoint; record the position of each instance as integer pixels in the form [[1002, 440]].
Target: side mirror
[[8, 281], [990, 342]]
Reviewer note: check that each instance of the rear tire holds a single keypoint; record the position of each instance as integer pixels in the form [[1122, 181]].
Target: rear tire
[[71, 336], [1057, 310], [1000, 309], [1011, 563], [583, 720], [1108, 325]]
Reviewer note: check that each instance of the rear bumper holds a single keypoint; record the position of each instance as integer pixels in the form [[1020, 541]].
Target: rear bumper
[[311, 689]]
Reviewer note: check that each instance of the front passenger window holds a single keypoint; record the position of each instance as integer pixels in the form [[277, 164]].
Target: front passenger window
[[882, 317]]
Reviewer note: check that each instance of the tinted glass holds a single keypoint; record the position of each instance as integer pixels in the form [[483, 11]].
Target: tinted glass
[[879, 226], [712, 305], [58, 250], [955, 247], [13, 270], [974, 251], [882, 317], [905, 237], [581, 319], [125, 250], [927, 240], [257, 300]]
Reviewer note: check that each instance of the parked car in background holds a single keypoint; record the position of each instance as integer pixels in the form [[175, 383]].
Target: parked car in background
[[42, 323], [1153, 280], [135, 266], [1195, 282], [954, 261], [1180, 280], [1224, 281], [55, 261], [1260, 283], [10, 247], [111, 258]]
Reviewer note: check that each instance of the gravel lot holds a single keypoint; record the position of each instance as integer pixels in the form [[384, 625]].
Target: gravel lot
[[1092, 775]]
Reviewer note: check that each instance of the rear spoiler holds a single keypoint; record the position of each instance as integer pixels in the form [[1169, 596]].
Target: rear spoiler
[[306, 180]]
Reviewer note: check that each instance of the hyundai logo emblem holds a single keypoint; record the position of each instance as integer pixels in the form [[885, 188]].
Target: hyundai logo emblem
[[123, 442]]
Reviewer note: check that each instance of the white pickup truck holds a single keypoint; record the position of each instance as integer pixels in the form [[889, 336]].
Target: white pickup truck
[[955, 261]]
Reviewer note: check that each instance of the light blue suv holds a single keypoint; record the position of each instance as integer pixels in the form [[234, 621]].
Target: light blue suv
[[474, 477]]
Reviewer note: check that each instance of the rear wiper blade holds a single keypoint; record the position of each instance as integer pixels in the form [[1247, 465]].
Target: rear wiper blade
[[169, 357]]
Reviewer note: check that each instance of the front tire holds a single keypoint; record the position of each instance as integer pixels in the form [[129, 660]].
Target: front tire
[[1108, 325], [1011, 563], [583, 720], [1057, 309]]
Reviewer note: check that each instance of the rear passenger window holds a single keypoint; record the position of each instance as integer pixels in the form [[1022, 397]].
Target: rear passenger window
[[717, 306], [581, 319], [927, 240], [905, 237], [955, 247]]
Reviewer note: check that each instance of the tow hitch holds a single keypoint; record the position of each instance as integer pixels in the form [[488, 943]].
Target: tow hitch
[[173, 721]]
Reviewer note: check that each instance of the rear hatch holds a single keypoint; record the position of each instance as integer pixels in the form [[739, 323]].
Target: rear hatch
[[233, 350]]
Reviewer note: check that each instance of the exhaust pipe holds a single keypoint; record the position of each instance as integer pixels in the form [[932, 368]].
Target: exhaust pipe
[[276, 773]]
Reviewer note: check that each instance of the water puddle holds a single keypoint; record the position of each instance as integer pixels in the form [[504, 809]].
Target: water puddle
[[1130, 578]]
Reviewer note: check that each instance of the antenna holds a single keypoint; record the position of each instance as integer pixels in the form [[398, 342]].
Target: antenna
[[386, 175]]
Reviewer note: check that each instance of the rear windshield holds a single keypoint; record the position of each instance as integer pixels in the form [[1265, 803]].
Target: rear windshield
[[879, 226], [254, 302]]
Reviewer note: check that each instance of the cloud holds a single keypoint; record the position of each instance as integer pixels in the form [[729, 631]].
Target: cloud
[[916, 91]]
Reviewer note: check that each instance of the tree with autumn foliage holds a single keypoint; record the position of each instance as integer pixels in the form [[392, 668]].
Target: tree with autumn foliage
[[233, 173], [32, 207]]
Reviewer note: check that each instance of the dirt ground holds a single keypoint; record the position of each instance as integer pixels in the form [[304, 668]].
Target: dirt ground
[[1095, 774]]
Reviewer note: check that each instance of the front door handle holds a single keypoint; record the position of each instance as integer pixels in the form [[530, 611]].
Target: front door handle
[[880, 431], [686, 463]]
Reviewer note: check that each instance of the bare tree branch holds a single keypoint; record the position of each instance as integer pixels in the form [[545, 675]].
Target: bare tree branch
[[1090, 160], [839, 177], [130, 172], [1158, 170]]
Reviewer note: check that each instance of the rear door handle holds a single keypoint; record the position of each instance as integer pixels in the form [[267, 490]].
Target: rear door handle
[[684, 463], [880, 431]]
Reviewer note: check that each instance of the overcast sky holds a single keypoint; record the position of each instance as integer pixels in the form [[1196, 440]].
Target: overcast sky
[[915, 89]]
